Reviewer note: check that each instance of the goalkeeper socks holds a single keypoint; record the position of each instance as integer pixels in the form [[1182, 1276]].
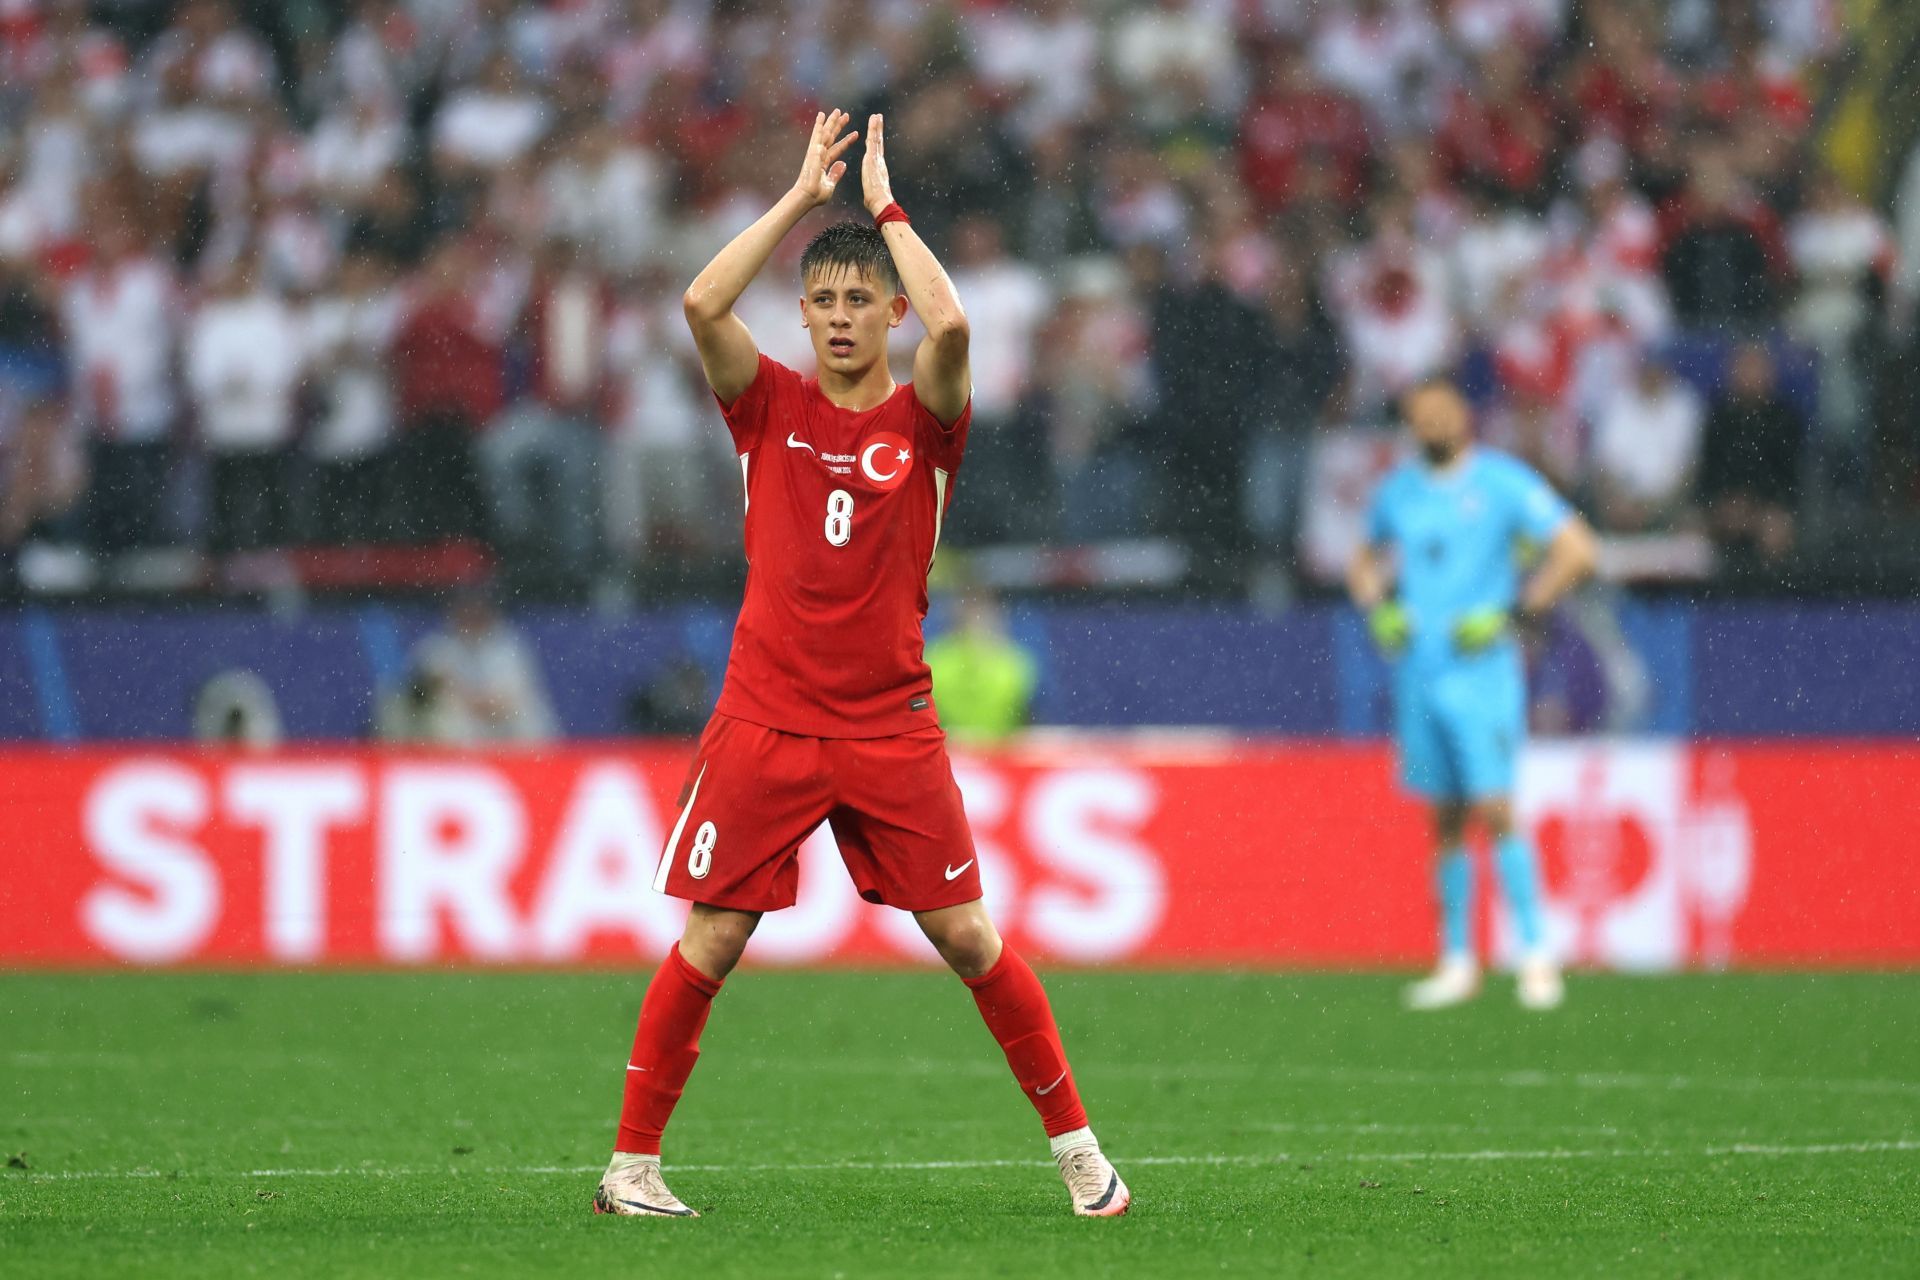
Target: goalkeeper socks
[[665, 1046], [1015, 1008], [1520, 881], [1455, 880]]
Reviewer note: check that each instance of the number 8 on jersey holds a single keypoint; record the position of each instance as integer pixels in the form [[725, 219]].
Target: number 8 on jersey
[[839, 518]]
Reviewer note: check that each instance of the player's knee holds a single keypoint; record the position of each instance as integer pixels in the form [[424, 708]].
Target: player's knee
[[1495, 817], [1449, 824], [715, 939], [964, 937]]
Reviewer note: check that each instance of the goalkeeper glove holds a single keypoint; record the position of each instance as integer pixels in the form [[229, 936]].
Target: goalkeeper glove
[[1390, 627], [1481, 630]]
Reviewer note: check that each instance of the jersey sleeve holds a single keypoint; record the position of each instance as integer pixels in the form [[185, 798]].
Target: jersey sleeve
[[1537, 509], [747, 416], [943, 445]]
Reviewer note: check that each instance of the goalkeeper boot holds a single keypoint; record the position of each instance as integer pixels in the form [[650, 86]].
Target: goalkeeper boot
[[1539, 984], [633, 1187], [1456, 981], [1095, 1188]]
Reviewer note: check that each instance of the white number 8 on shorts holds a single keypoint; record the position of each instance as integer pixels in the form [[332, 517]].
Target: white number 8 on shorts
[[700, 859]]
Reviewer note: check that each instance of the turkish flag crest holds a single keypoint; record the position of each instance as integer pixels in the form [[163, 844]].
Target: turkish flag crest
[[885, 460]]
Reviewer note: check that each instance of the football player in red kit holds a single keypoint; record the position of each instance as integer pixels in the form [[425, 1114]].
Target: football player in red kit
[[827, 710]]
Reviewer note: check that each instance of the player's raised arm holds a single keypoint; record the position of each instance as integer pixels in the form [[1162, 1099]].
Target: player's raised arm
[[727, 350], [942, 377]]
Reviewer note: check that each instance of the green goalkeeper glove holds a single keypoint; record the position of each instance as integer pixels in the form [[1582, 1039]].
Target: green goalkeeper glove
[[1391, 628], [1481, 630]]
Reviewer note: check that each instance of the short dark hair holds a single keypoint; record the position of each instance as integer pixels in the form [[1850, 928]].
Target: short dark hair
[[854, 245]]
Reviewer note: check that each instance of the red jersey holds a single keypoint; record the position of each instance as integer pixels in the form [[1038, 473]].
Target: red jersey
[[843, 512]]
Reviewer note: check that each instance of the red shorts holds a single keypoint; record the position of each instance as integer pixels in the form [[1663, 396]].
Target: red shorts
[[753, 794]]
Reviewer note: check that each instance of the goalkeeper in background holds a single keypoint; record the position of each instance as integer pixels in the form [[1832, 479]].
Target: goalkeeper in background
[[1440, 583]]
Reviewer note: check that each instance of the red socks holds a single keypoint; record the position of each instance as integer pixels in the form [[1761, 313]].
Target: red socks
[[667, 1044], [1015, 1007], [665, 1047]]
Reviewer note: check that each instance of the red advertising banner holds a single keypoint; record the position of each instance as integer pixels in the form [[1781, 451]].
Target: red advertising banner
[[1658, 855]]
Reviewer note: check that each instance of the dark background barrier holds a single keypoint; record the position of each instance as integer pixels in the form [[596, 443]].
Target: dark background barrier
[[1718, 669]]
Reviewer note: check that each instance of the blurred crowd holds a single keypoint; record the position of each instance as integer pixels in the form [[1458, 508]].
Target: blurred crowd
[[404, 272]]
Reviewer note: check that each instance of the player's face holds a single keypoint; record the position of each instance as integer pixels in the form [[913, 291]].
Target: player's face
[[847, 314], [1441, 423]]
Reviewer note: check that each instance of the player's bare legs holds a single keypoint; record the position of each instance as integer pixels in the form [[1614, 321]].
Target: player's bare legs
[[1014, 1006], [1539, 984], [665, 1047], [1456, 978]]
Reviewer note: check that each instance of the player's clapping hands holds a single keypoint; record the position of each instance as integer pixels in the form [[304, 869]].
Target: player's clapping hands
[[876, 188], [823, 168]]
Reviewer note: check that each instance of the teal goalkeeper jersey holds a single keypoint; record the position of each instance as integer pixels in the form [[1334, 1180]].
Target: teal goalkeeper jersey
[[1459, 535]]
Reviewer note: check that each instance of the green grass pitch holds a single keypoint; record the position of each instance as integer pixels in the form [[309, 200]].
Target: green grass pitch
[[862, 1124]]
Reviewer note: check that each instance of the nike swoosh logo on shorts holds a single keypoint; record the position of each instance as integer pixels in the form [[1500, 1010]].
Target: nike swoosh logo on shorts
[[1055, 1085], [631, 1067], [953, 873], [795, 443]]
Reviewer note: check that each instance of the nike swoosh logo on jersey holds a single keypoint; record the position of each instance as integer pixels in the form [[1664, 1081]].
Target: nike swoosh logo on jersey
[[953, 873], [631, 1067], [1055, 1085], [793, 442]]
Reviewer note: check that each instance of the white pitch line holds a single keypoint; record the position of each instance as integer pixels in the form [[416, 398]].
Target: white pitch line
[[1756, 1149], [983, 1067], [1216, 1070]]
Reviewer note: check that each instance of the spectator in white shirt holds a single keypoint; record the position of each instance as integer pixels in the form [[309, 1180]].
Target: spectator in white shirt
[[1389, 296], [1481, 25], [1013, 299], [223, 60], [120, 337], [608, 193], [486, 674], [664, 461], [489, 125], [649, 39], [1845, 259], [1385, 53], [55, 153], [1048, 52], [381, 55], [40, 469], [184, 135], [1496, 250], [1174, 53], [1010, 300], [540, 456], [243, 372], [352, 149], [349, 337], [1646, 451]]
